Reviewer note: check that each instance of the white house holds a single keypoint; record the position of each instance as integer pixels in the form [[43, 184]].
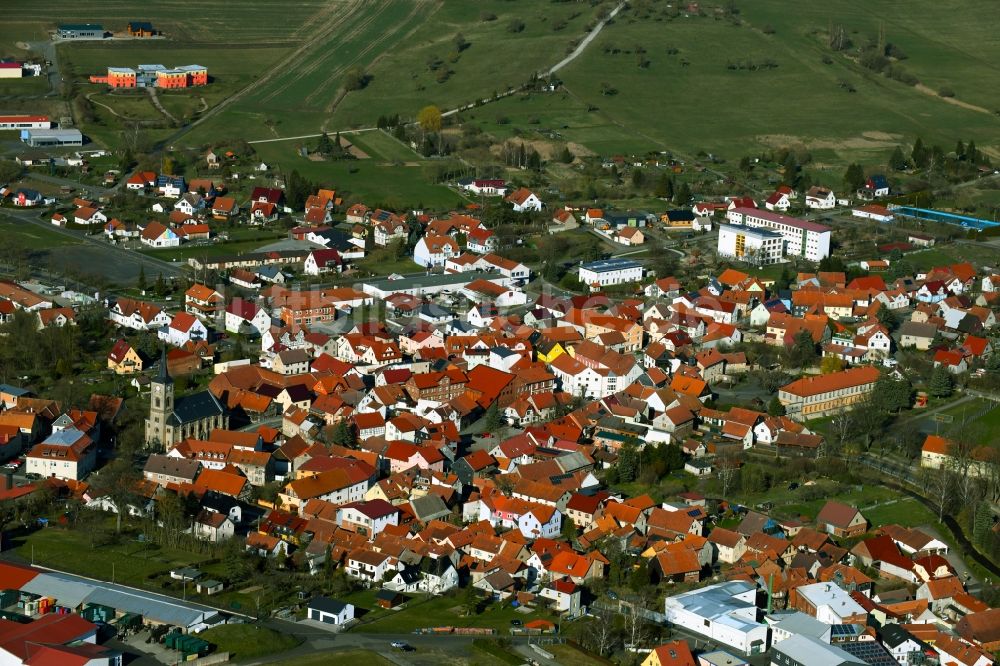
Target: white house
[[322, 261], [533, 520], [367, 518], [241, 314], [67, 454], [330, 611], [565, 595], [431, 251], [760, 247], [523, 199], [157, 235], [820, 198], [725, 613], [183, 328], [367, 565], [778, 201], [138, 315]]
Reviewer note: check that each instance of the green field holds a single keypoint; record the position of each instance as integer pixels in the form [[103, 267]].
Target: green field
[[247, 641], [704, 106], [423, 612], [32, 237], [339, 657], [388, 186], [129, 562]]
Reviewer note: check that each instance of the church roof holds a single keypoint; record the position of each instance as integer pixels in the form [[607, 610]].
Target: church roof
[[195, 407]]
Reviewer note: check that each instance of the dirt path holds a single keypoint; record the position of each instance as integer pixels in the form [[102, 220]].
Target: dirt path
[[330, 18], [582, 46], [159, 107], [950, 100]]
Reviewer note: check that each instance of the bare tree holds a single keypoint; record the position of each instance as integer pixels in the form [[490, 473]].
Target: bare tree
[[602, 634], [938, 484], [726, 467], [636, 628]]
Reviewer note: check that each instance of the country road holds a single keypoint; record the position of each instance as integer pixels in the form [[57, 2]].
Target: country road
[[582, 46]]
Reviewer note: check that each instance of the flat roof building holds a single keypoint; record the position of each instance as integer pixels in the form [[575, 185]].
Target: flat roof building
[[726, 613], [37, 138], [760, 247], [803, 238], [81, 31], [421, 285], [610, 271]]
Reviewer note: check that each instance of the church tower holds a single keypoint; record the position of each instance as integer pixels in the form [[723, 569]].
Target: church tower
[[161, 406]]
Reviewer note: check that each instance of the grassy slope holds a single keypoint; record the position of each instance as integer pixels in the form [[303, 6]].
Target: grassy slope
[[705, 106]]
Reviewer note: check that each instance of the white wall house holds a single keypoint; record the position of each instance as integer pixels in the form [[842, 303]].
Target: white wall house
[[431, 251], [610, 271], [803, 238], [755, 246], [725, 613]]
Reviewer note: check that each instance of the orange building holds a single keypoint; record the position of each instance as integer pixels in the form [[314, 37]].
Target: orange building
[[121, 77], [182, 77]]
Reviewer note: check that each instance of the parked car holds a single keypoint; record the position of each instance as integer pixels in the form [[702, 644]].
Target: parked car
[[516, 623]]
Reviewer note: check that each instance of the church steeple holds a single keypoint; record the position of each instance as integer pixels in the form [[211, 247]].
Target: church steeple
[[161, 405], [163, 376]]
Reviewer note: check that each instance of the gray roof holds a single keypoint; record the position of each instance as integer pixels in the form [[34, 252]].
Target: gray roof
[[421, 280], [800, 623], [918, 329], [71, 591], [194, 407], [608, 265], [184, 468], [429, 507], [810, 651]]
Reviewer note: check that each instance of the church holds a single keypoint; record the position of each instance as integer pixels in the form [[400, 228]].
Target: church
[[171, 420]]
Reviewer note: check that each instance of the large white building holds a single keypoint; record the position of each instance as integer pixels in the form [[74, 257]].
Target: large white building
[[756, 246], [803, 238], [610, 271], [725, 613]]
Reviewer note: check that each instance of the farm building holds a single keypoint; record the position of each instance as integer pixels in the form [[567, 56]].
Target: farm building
[[52, 137], [81, 31]]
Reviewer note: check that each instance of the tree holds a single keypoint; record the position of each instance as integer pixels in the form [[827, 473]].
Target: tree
[[638, 178], [566, 156], [628, 461], [342, 434], [802, 353], [324, 146], [493, 419], [938, 485], [896, 161], [429, 119], [726, 468], [854, 176], [682, 194], [941, 383], [355, 79], [141, 282], [568, 530], [665, 186], [919, 155], [887, 318], [891, 395], [830, 364], [775, 408]]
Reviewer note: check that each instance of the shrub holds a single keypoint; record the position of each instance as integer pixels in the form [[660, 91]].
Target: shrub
[[946, 92]]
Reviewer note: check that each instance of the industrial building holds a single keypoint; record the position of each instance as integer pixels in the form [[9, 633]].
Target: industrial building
[[11, 70], [725, 613], [760, 247], [24, 122], [42, 138], [803, 238], [425, 285], [610, 271], [81, 31]]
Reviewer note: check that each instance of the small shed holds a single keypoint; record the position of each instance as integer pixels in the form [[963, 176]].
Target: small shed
[[330, 611], [209, 586], [388, 598]]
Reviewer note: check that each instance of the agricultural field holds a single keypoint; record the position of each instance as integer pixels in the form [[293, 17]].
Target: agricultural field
[[795, 97]]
